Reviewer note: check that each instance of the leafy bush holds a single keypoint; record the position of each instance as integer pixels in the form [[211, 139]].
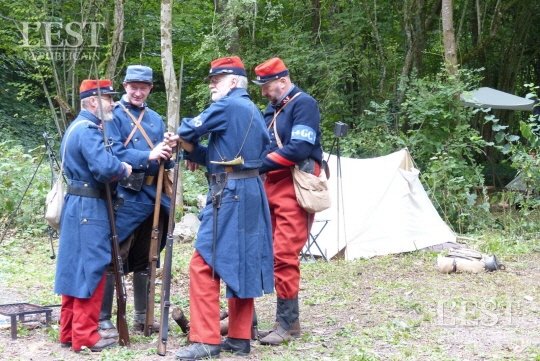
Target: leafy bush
[[522, 150], [194, 184], [24, 181], [436, 129]]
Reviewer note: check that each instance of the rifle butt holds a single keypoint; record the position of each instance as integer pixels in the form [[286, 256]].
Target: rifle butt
[[123, 331], [162, 348], [163, 334]]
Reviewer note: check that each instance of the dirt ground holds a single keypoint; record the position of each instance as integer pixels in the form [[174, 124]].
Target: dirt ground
[[386, 308]]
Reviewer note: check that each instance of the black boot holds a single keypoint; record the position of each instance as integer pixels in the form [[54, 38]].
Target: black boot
[[238, 346], [254, 327], [198, 351], [105, 326], [140, 298]]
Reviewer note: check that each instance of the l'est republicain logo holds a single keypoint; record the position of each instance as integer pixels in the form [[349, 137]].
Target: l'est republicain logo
[[52, 34]]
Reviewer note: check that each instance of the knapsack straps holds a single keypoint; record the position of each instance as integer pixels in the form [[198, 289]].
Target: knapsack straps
[[273, 123], [138, 125]]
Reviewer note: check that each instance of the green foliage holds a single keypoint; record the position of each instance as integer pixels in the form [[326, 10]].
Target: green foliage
[[457, 188], [24, 181], [194, 184], [437, 130], [522, 149]]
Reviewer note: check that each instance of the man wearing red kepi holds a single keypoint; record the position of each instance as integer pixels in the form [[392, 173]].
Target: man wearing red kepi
[[234, 241], [84, 250], [296, 118]]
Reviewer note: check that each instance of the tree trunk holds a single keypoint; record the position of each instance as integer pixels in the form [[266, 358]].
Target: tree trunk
[[379, 46], [117, 39], [167, 65], [449, 40], [315, 17], [171, 85]]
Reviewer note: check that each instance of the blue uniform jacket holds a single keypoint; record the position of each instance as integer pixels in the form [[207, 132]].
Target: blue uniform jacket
[[298, 126], [244, 258], [85, 250], [137, 205]]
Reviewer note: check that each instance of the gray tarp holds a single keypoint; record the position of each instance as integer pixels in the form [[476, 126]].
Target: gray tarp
[[495, 99]]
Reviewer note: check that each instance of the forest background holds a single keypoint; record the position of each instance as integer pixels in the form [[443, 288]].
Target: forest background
[[391, 70]]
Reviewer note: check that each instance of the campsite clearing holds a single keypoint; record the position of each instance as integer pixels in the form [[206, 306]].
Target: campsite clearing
[[395, 307]]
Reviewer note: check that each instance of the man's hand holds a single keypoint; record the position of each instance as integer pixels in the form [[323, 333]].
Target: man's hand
[[128, 168], [161, 151], [173, 140]]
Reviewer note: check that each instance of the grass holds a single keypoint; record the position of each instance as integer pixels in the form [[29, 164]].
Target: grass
[[396, 307]]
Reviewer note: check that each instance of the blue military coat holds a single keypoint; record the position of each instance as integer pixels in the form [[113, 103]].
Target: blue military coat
[[298, 126], [85, 250], [244, 258], [138, 205]]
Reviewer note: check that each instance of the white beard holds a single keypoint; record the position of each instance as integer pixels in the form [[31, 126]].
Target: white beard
[[219, 93], [107, 116]]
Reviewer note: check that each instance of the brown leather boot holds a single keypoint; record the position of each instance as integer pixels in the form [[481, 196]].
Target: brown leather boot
[[287, 322], [295, 330], [276, 337]]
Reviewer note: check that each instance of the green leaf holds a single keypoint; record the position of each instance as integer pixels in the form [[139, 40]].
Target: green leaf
[[498, 127]]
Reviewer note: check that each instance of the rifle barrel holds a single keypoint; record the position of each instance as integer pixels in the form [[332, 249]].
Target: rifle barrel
[[121, 322]]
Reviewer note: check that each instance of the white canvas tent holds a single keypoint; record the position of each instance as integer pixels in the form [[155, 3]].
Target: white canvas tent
[[382, 208]]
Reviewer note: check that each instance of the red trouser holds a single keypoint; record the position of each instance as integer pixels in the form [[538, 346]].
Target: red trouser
[[290, 227], [79, 318], [204, 307]]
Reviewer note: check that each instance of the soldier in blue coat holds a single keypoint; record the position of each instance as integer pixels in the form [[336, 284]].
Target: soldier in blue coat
[[234, 239], [137, 134], [85, 249], [293, 120]]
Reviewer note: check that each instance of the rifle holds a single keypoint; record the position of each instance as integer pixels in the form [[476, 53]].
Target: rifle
[[118, 268], [167, 266], [54, 164], [153, 256]]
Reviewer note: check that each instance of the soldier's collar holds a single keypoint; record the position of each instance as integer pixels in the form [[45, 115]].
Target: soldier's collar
[[288, 96]]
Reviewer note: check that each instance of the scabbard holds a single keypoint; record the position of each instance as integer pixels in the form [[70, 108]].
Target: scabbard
[[218, 181]]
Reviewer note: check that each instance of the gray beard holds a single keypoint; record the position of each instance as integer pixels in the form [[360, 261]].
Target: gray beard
[[107, 116]]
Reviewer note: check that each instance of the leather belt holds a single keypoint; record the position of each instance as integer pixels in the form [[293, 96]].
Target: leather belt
[[86, 192], [250, 173]]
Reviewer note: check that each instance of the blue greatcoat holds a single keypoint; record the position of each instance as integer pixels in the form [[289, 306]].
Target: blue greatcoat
[[84, 249], [137, 205], [244, 259]]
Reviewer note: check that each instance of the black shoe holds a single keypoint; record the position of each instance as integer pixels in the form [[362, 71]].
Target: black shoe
[[198, 351], [65, 344], [238, 346]]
